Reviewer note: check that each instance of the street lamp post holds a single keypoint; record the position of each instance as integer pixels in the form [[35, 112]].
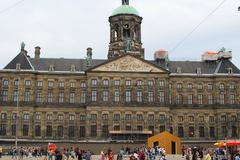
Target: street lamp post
[[16, 134]]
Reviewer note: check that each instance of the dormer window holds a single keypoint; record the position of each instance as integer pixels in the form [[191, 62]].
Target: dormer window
[[179, 70], [73, 68], [18, 66], [51, 68], [230, 71], [199, 71]]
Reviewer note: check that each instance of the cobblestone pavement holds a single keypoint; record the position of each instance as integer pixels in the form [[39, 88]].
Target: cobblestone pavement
[[95, 157]]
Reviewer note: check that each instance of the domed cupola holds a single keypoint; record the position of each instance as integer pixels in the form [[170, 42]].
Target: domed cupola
[[125, 32], [125, 8]]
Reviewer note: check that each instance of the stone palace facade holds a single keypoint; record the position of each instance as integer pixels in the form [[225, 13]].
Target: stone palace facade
[[122, 98]]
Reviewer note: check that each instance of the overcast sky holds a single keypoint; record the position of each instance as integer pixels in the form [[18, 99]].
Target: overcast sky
[[65, 28]]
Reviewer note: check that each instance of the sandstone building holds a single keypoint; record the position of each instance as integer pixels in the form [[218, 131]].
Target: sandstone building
[[124, 97]]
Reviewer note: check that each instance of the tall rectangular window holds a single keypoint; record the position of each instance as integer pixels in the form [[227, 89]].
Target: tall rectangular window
[[128, 117], [93, 118], [72, 84], [25, 116], [14, 130], [15, 96], [94, 96], [48, 131], [61, 84], [116, 117], [61, 97], [27, 83], [201, 132], [83, 97], [116, 96], [210, 99], [16, 83], [116, 83], [191, 132], [210, 87], [139, 117], [3, 129], [105, 83], [105, 96], [139, 83], [39, 83], [190, 87], [27, 96], [83, 85], [5, 83], [161, 97], [139, 96], [150, 83], [105, 131], [128, 96], [93, 132], [60, 131], [50, 84], [162, 118], [224, 131], [232, 99], [179, 86], [4, 95], [151, 117], [128, 83], [50, 97], [190, 99], [221, 87], [212, 132], [71, 131], [39, 96], [82, 132], [221, 99], [38, 131], [150, 96], [94, 82], [161, 84], [180, 131], [72, 98], [25, 130], [200, 99], [179, 99]]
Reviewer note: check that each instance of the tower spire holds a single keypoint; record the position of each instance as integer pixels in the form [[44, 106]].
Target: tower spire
[[125, 2]]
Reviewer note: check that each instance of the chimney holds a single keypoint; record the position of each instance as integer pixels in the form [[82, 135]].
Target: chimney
[[37, 52], [89, 57]]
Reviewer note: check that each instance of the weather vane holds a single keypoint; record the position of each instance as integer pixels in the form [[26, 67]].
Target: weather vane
[[125, 2]]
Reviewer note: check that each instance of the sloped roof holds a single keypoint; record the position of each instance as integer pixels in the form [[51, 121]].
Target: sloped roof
[[22, 59], [225, 65], [62, 64], [207, 67]]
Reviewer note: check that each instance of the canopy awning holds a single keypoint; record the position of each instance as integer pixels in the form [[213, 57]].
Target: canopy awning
[[131, 132]]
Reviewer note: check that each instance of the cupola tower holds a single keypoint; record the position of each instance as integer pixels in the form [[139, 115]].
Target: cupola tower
[[125, 32]]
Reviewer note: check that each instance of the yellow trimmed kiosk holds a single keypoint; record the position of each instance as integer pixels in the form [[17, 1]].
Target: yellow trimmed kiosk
[[170, 142]]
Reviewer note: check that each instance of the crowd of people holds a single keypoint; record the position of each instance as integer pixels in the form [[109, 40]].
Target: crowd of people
[[27, 152], [139, 153]]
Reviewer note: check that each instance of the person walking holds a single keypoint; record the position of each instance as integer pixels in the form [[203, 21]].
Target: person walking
[[1, 150], [208, 156], [79, 154]]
